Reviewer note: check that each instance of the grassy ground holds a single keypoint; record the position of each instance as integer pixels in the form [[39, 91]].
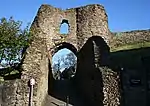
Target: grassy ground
[[9, 74], [131, 46], [130, 56]]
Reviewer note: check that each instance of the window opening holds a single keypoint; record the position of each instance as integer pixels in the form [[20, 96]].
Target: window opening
[[64, 64], [64, 27]]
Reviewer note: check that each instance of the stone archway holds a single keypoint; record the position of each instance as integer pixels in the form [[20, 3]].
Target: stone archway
[[84, 22], [62, 45], [59, 90]]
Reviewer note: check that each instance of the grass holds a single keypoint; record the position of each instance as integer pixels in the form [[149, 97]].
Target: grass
[[8, 74], [131, 57], [131, 46]]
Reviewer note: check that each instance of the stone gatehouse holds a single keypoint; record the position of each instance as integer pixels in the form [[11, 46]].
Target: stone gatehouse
[[97, 80]]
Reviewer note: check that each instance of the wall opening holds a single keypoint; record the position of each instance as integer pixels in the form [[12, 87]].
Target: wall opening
[[64, 27], [64, 85], [64, 63]]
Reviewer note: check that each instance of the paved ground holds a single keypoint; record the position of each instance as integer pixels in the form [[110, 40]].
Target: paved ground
[[61, 90], [51, 101]]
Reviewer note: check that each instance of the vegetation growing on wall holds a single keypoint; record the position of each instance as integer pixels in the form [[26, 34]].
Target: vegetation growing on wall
[[131, 46]]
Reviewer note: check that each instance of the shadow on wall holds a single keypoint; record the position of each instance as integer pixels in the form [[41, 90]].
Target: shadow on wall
[[134, 69], [88, 77], [50, 79]]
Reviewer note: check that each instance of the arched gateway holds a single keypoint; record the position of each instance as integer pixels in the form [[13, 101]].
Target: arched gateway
[[87, 33]]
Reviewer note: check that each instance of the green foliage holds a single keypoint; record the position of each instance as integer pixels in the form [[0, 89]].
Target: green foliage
[[13, 41]]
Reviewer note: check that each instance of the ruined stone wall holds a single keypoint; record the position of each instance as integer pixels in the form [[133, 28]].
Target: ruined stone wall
[[132, 68], [130, 37], [84, 22], [98, 83], [99, 87], [8, 93], [35, 66], [111, 90], [49, 20], [91, 21]]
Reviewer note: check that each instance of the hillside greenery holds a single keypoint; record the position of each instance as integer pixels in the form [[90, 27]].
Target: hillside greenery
[[130, 46]]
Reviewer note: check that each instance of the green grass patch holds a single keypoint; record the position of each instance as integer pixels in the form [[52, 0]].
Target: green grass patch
[[9, 74], [13, 72], [130, 58], [131, 46]]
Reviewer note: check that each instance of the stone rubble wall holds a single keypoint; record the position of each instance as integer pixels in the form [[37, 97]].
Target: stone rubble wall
[[35, 65], [49, 20], [111, 88], [91, 21], [130, 37], [8, 93], [83, 22]]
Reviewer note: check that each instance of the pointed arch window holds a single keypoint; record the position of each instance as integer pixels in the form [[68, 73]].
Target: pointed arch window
[[64, 27]]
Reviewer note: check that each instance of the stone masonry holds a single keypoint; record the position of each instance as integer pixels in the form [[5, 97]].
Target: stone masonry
[[84, 22]]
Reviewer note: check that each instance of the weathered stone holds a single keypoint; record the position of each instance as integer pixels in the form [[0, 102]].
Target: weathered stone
[[84, 22], [130, 37]]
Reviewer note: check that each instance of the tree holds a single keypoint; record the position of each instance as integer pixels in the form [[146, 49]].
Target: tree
[[64, 67], [70, 60], [68, 72], [56, 69], [13, 41]]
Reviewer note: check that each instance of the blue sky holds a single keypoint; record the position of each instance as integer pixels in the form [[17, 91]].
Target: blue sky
[[123, 15], [58, 55]]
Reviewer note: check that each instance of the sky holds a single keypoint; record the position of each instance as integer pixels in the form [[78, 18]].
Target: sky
[[58, 55], [123, 15]]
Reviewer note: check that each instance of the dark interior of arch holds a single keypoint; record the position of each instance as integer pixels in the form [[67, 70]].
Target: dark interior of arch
[[64, 21], [88, 78]]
